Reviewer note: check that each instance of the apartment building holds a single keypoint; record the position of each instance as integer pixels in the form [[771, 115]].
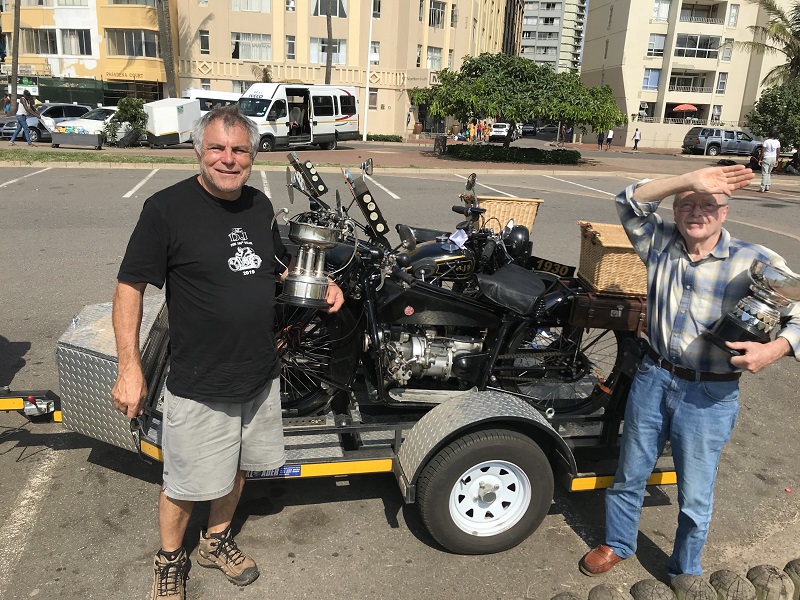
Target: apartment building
[[113, 41], [660, 54], [552, 33], [383, 48]]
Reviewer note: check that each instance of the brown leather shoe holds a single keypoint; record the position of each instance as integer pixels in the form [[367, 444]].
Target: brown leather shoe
[[598, 561]]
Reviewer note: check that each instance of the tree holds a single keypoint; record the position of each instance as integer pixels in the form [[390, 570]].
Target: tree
[[167, 51], [781, 35], [516, 89], [264, 74], [778, 112], [15, 56], [329, 43]]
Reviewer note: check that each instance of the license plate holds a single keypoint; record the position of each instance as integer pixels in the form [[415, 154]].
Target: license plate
[[549, 266]]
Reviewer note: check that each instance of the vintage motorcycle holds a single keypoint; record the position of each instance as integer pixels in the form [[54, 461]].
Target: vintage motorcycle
[[403, 339]]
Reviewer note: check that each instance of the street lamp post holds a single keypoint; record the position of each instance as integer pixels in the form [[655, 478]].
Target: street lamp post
[[366, 86]]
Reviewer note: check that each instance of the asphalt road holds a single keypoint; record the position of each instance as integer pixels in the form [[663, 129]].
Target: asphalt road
[[80, 516]]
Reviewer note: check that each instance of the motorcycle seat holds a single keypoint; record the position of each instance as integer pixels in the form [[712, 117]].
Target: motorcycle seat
[[513, 287]]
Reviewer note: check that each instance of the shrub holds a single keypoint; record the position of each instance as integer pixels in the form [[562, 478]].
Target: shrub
[[131, 111], [384, 138], [518, 155]]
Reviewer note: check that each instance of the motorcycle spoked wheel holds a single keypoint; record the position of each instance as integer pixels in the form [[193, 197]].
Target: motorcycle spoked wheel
[[314, 347], [580, 364]]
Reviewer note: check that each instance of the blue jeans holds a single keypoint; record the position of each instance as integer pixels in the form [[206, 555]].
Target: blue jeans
[[697, 418], [22, 125]]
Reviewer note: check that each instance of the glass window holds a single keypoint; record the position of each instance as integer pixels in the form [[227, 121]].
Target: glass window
[[651, 77], [450, 54], [291, 5], [453, 15], [251, 46], [252, 107], [373, 98], [72, 2], [610, 15], [319, 51], [277, 110], [290, 47], [419, 55], [729, 135], [655, 46], [264, 6], [54, 112], [375, 53], [733, 15], [436, 15], [205, 44], [76, 42], [338, 8], [434, 58], [530, 20], [661, 10], [323, 106], [376, 9], [240, 86], [605, 52], [421, 10], [727, 49], [38, 41], [132, 42], [141, 2], [205, 84], [722, 82], [556, 21], [716, 112], [348, 104], [697, 46]]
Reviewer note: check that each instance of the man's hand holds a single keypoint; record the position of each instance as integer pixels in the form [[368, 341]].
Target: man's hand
[[130, 392], [721, 180], [757, 356], [334, 297]]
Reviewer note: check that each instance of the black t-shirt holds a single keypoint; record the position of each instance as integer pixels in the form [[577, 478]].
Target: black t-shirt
[[218, 260]]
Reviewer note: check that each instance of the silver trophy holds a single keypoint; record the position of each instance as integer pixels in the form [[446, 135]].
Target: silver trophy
[[757, 317]]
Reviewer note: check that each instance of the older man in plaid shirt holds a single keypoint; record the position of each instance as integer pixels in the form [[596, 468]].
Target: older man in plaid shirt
[[686, 389]]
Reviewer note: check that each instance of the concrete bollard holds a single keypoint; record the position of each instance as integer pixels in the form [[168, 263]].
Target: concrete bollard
[[792, 569], [607, 592], [771, 583], [692, 587], [731, 586], [650, 589]]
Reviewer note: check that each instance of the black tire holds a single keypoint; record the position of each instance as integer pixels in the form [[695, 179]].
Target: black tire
[[448, 492], [713, 150], [267, 144], [34, 134], [329, 145], [314, 348], [98, 147], [55, 145], [567, 369]]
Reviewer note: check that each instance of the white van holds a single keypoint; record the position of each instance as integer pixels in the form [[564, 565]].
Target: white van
[[296, 114], [210, 99]]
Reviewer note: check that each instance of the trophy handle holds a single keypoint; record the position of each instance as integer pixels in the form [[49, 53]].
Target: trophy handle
[[282, 211], [350, 224]]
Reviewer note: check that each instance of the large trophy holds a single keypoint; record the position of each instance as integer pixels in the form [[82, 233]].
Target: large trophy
[[756, 317]]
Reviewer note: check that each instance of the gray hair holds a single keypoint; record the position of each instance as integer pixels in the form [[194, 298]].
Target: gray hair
[[230, 117]]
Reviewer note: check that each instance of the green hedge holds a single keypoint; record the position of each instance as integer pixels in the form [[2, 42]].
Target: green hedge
[[384, 138], [517, 155]]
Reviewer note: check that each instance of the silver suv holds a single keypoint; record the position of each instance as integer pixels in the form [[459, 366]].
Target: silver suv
[[37, 130], [718, 140]]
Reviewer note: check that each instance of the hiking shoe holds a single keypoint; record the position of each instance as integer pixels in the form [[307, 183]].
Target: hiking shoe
[[219, 551], [170, 577]]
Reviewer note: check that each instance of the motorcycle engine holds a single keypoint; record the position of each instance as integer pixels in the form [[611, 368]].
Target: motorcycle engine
[[424, 353]]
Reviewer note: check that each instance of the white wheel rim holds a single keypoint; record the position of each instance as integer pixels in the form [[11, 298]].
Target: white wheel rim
[[490, 498]]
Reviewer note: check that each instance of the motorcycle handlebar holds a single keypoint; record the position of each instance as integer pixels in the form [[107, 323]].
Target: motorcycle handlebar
[[462, 210], [402, 275]]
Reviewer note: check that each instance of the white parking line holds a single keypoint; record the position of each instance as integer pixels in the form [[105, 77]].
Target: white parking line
[[579, 185], [140, 184], [2, 185], [770, 229], [489, 188], [392, 194], [265, 184]]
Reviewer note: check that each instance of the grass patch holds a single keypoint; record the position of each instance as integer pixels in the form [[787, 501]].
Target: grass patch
[[513, 155], [89, 156]]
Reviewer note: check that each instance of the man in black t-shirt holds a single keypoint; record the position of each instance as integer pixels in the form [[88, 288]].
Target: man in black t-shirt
[[209, 239]]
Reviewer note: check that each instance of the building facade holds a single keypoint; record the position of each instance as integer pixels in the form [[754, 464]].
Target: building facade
[[512, 34], [552, 33], [660, 54]]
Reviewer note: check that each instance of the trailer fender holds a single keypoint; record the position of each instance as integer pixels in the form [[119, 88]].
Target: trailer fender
[[469, 412]]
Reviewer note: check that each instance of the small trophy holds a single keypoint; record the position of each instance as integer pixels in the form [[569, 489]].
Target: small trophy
[[756, 317]]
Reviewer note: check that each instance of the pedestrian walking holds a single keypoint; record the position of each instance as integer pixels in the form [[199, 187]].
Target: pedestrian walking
[[637, 135], [480, 131], [686, 390], [222, 413], [609, 138], [769, 156], [600, 140], [26, 107]]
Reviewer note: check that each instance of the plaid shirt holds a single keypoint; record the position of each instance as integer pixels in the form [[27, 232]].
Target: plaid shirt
[[685, 298]]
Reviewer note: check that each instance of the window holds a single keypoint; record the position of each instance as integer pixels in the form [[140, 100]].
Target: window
[[555, 21], [373, 98], [722, 82], [240, 86], [530, 20], [697, 46], [205, 45], [251, 46], [348, 104], [434, 58], [727, 50], [419, 55], [338, 8], [263, 6], [319, 51], [76, 42], [132, 42], [436, 15], [729, 135], [38, 41], [290, 48], [651, 77], [655, 47], [72, 2], [277, 111], [205, 84], [551, 6], [421, 10], [610, 15], [450, 54], [661, 10], [290, 6], [323, 106], [716, 112], [376, 9], [142, 2], [375, 53], [531, 5], [545, 35], [733, 15], [453, 15]]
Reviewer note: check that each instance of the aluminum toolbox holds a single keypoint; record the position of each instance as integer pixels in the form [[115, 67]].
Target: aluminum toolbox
[[609, 312], [86, 356]]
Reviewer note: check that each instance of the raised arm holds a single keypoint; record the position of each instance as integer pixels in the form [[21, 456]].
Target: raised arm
[[711, 180]]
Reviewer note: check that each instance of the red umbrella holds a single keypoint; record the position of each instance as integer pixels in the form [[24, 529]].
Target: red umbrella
[[685, 108]]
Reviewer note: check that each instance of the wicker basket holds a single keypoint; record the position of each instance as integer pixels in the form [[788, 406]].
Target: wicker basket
[[608, 264], [499, 210]]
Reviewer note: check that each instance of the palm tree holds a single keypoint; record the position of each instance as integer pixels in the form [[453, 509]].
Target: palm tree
[[329, 53], [167, 50], [15, 56], [781, 35]]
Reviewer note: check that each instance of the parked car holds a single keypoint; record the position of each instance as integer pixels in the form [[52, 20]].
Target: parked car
[[719, 140], [499, 132], [549, 128], [37, 130], [93, 121], [529, 129]]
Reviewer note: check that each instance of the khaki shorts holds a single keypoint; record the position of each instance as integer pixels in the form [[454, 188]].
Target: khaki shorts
[[206, 443]]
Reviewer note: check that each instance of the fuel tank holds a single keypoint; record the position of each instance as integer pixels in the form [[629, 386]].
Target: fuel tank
[[441, 259]]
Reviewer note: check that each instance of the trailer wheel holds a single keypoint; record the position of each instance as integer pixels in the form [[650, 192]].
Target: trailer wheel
[[267, 144], [485, 492]]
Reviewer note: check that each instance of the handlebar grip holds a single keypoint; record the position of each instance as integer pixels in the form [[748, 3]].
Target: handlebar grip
[[462, 210], [403, 275]]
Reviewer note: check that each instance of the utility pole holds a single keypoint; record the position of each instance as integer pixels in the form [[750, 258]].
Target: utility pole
[[15, 58], [365, 106]]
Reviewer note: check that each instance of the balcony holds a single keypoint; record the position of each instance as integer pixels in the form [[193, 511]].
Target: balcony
[[691, 89], [705, 13], [702, 20]]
